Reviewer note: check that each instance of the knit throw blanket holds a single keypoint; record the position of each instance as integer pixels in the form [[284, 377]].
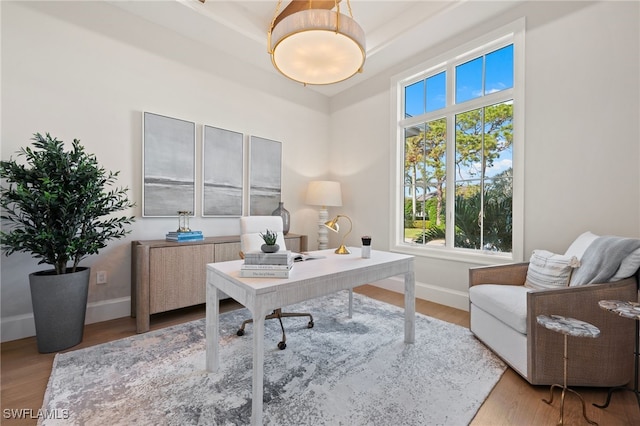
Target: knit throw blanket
[[602, 259]]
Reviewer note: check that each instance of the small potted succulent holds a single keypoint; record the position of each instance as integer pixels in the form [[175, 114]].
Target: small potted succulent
[[270, 239]]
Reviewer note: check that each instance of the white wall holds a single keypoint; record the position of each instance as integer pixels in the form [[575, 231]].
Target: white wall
[[87, 71], [582, 146]]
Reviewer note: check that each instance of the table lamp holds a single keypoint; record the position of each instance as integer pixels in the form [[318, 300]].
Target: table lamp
[[333, 225], [323, 193]]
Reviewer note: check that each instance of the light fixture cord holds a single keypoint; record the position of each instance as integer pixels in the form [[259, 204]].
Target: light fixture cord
[[349, 7], [337, 3]]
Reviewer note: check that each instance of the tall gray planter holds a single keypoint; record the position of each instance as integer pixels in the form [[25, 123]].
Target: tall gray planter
[[59, 307]]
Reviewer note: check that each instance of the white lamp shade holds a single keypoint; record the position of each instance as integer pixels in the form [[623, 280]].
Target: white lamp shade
[[324, 193]]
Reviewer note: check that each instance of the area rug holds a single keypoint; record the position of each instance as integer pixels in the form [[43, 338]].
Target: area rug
[[343, 371]]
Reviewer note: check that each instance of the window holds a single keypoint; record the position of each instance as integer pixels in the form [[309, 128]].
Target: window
[[459, 186]]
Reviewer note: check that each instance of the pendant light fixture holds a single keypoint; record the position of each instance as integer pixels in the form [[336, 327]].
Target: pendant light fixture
[[317, 46]]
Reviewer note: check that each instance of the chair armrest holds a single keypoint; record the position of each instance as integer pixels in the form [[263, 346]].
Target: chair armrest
[[580, 302], [609, 354], [511, 274]]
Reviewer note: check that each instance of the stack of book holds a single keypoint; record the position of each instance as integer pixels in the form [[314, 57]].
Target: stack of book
[[185, 236], [267, 265]]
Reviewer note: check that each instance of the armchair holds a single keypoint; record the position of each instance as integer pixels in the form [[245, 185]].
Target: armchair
[[503, 316]]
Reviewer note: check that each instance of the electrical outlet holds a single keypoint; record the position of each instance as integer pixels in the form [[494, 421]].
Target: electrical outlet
[[101, 277]]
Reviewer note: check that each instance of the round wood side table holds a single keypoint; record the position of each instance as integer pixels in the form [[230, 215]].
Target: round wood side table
[[568, 327], [629, 310]]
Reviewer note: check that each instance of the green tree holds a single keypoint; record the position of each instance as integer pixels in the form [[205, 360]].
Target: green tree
[[60, 205], [481, 135], [425, 162]]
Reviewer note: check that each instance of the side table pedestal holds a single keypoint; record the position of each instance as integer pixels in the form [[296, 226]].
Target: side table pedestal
[[568, 327], [629, 310]]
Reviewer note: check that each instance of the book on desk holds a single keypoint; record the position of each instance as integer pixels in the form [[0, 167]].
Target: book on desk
[[265, 272], [267, 265], [272, 265]]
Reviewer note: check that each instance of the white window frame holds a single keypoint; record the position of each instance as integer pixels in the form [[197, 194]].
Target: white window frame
[[513, 33]]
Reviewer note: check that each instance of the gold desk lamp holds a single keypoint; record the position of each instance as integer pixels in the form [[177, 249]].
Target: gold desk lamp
[[333, 225]]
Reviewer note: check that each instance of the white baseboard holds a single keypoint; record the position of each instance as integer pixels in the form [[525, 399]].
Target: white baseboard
[[21, 326], [442, 296]]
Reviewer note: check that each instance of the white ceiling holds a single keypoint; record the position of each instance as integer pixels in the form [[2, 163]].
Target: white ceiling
[[395, 30]]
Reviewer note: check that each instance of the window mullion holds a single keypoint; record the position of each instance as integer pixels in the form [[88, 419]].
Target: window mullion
[[483, 87]]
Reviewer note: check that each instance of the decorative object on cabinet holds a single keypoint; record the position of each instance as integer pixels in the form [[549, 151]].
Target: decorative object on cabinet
[[325, 194], [265, 171], [285, 215], [169, 170], [169, 275], [183, 221], [222, 172]]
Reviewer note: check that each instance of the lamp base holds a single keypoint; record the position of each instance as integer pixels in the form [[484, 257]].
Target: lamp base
[[323, 239], [342, 250]]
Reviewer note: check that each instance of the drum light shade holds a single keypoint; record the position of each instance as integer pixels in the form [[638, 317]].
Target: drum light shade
[[317, 46]]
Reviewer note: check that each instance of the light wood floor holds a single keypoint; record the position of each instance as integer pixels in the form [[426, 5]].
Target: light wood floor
[[513, 401]]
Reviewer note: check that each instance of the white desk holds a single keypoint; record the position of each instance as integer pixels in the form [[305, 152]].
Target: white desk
[[307, 280]]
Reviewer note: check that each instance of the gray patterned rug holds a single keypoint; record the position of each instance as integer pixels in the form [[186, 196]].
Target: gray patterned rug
[[342, 372]]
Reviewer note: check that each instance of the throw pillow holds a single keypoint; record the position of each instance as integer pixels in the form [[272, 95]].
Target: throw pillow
[[579, 246], [549, 270]]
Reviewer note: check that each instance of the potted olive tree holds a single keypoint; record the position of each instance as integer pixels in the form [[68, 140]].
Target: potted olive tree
[[57, 205]]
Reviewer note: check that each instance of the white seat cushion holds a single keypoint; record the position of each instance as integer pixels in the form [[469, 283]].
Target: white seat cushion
[[508, 303]]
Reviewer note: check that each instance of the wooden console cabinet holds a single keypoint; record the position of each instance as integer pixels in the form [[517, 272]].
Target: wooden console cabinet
[[168, 275]]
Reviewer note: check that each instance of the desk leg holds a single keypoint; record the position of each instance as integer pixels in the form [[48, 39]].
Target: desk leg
[[212, 329], [350, 303], [409, 307], [258, 367]]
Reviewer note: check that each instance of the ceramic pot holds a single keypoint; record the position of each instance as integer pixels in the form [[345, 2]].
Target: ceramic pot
[[266, 248], [59, 306]]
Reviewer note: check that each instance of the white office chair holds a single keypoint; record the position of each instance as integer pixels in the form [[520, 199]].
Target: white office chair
[[250, 240]]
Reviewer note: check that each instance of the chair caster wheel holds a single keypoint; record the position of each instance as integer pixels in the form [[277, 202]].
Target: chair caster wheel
[[310, 325], [240, 332], [282, 345]]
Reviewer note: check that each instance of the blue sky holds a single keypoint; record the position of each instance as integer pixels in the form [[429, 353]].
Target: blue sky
[[498, 75], [495, 68]]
